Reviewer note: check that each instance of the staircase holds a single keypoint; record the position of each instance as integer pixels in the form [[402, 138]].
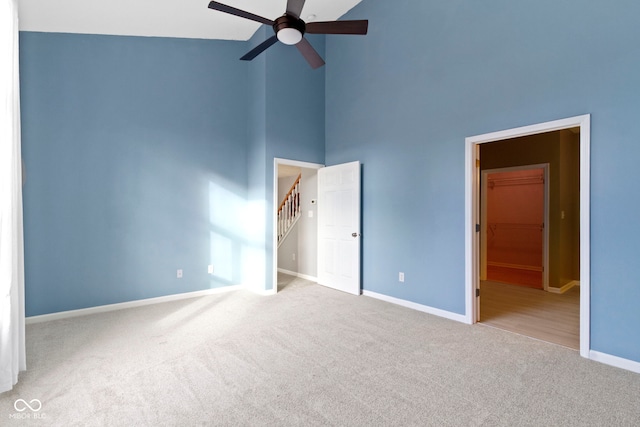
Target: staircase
[[289, 211]]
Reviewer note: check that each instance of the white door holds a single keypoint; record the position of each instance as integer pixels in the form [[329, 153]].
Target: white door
[[339, 227]]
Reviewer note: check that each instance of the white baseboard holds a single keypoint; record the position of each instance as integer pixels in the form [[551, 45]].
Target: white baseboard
[[415, 306], [130, 304], [300, 275], [564, 288], [616, 361]]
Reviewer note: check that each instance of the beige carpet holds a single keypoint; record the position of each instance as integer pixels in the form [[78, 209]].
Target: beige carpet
[[307, 356]]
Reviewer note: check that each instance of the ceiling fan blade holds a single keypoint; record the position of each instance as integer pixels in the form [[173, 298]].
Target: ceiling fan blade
[[237, 12], [260, 48], [294, 7], [338, 27], [310, 54]]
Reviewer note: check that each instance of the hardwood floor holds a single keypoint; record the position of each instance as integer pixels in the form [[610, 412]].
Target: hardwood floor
[[515, 276], [533, 312]]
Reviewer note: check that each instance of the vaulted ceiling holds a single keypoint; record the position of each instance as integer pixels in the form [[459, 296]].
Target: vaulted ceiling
[[164, 18]]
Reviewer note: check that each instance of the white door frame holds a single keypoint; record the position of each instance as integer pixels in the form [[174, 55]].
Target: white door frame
[[545, 218], [472, 273], [276, 162]]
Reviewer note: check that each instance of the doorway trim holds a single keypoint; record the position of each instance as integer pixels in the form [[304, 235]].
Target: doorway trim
[[274, 224], [545, 218], [472, 168]]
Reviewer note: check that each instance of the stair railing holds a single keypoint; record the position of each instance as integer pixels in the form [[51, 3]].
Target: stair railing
[[289, 210]]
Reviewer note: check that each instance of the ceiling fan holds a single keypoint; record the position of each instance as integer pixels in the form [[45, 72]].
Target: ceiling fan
[[290, 30]]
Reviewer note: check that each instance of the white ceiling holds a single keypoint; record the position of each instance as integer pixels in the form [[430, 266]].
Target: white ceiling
[[164, 18], [287, 170]]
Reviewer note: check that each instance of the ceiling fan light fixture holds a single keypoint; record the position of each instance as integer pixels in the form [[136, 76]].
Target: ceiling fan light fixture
[[289, 29], [289, 36]]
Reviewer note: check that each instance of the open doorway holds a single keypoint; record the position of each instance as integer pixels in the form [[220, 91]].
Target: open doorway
[[331, 243], [295, 248], [562, 273], [517, 221]]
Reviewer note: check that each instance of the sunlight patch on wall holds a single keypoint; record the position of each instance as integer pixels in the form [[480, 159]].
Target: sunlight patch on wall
[[226, 235], [253, 253], [221, 257]]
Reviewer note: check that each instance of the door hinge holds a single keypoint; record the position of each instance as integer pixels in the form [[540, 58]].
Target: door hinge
[[477, 292], [477, 228]]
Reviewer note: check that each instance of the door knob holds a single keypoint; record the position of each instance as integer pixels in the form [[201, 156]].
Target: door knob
[[355, 234]]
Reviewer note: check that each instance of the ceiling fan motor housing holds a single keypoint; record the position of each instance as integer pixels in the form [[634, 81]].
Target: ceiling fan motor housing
[[289, 22]]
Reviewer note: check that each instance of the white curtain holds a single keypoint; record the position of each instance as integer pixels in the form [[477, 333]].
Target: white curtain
[[12, 344]]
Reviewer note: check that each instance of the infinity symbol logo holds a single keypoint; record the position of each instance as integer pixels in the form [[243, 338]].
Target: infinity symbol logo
[[21, 405]]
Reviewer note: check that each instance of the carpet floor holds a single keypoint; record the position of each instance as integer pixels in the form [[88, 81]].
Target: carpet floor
[[306, 356]]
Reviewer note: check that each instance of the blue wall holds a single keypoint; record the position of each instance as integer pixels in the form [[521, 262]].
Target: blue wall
[[287, 122], [148, 155], [257, 163], [403, 99], [136, 159]]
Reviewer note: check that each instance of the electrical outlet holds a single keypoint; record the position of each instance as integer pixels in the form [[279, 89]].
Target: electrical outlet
[[210, 269], [179, 274], [293, 257], [401, 277]]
